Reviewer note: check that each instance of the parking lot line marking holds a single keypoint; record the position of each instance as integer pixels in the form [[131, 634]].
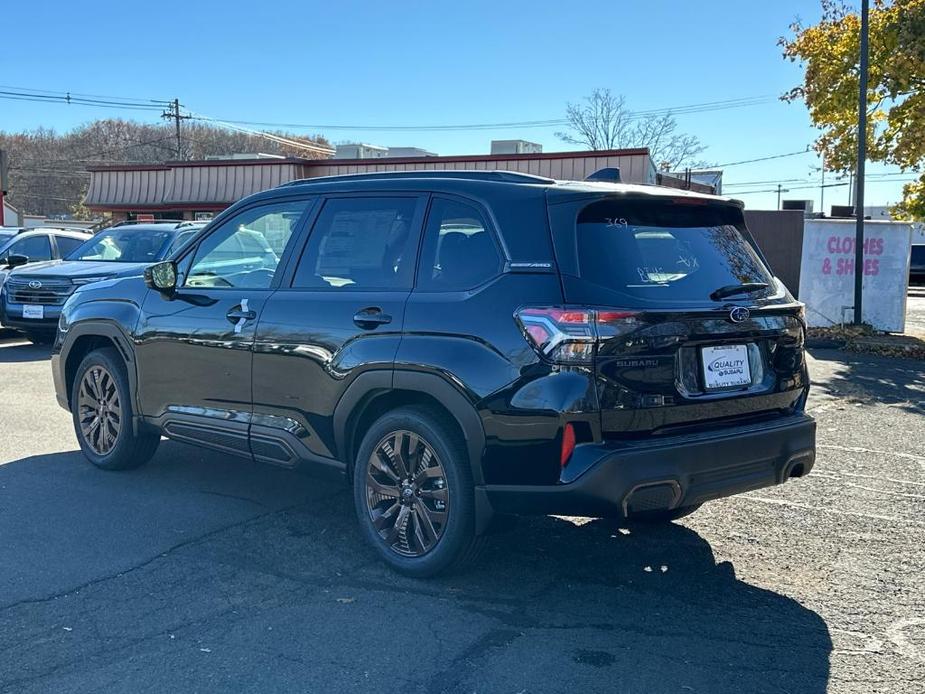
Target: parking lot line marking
[[807, 507], [832, 474], [858, 449]]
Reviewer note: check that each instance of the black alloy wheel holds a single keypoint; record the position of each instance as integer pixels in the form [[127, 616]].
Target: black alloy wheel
[[406, 493], [101, 405], [99, 412], [413, 492]]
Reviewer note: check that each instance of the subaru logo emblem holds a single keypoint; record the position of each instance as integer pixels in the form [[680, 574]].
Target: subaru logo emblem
[[739, 314], [35, 284]]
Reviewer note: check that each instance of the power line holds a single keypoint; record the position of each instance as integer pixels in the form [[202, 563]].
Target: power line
[[309, 146], [68, 98], [544, 123], [772, 156], [903, 178], [80, 94], [94, 156], [39, 195], [756, 183]]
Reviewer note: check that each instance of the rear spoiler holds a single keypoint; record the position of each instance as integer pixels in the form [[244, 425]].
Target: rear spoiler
[[610, 174]]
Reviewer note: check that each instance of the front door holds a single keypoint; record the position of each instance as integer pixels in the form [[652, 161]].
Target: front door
[[195, 347], [338, 314]]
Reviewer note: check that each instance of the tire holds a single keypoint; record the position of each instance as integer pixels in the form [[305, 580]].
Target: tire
[[113, 443], [442, 479], [664, 516]]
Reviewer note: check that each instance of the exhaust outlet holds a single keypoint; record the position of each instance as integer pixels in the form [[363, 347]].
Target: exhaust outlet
[[663, 495]]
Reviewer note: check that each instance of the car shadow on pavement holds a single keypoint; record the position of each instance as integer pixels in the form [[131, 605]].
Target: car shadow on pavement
[[867, 378], [14, 351], [552, 605]]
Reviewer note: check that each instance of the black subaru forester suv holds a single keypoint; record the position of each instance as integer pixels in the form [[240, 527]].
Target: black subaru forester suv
[[457, 344]]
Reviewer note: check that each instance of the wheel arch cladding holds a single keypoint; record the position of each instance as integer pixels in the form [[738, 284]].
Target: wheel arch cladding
[[89, 337], [374, 394]]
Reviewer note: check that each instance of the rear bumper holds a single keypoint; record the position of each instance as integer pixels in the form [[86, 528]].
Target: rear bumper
[[667, 473]]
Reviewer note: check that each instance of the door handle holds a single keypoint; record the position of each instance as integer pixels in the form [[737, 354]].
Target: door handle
[[240, 314], [369, 318], [236, 314]]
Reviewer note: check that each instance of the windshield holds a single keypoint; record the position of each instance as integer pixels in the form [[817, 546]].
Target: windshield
[[126, 245], [660, 251], [4, 238]]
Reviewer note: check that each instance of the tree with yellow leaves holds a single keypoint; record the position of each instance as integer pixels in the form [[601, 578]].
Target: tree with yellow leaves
[[829, 53]]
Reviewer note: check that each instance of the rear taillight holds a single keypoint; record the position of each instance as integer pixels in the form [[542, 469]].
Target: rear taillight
[[570, 335]]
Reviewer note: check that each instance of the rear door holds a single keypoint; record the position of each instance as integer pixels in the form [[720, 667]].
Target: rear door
[[693, 327], [338, 314], [194, 347]]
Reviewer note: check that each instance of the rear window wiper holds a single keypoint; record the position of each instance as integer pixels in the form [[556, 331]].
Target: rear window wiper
[[733, 289]]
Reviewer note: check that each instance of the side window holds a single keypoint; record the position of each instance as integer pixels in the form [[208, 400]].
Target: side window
[[459, 252], [67, 245], [35, 248], [245, 251], [360, 243]]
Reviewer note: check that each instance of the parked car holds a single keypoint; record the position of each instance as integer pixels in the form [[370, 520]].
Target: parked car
[[457, 344], [32, 296], [37, 245], [917, 263]]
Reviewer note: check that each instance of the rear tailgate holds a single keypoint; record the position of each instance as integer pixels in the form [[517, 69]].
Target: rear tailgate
[[669, 356]]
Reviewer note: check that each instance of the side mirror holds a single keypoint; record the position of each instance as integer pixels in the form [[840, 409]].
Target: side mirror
[[14, 260], [162, 276]]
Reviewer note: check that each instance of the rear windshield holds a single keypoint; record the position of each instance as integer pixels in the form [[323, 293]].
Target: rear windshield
[[662, 251]]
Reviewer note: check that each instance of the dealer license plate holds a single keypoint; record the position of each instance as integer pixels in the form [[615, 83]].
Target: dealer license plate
[[725, 366], [31, 311]]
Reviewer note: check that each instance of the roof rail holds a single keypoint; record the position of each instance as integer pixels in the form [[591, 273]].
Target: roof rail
[[496, 175], [129, 222], [54, 228]]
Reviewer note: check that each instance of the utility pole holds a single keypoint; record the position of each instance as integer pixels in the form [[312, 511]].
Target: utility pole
[[779, 191], [3, 171], [174, 115], [862, 155], [822, 188]]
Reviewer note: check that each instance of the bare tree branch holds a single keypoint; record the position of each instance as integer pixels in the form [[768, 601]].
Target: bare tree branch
[[604, 122]]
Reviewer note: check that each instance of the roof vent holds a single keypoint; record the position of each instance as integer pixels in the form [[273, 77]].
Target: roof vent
[[608, 175]]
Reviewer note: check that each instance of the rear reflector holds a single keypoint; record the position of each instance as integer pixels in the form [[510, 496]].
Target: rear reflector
[[568, 444]]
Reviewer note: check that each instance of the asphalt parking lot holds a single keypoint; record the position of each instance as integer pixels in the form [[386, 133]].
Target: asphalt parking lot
[[204, 573], [915, 310]]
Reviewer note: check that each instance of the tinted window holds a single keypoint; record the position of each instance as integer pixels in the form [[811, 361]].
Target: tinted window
[[459, 252], [360, 243], [125, 245], [181, 239], [240, 253], [918, 256], [659, 251], [33, 247], [67, 245]]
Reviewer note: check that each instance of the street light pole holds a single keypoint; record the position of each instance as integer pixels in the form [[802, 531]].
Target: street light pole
[[862, 155]]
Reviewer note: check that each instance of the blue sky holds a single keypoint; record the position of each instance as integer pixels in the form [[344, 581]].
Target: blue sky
[[417, 63]]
